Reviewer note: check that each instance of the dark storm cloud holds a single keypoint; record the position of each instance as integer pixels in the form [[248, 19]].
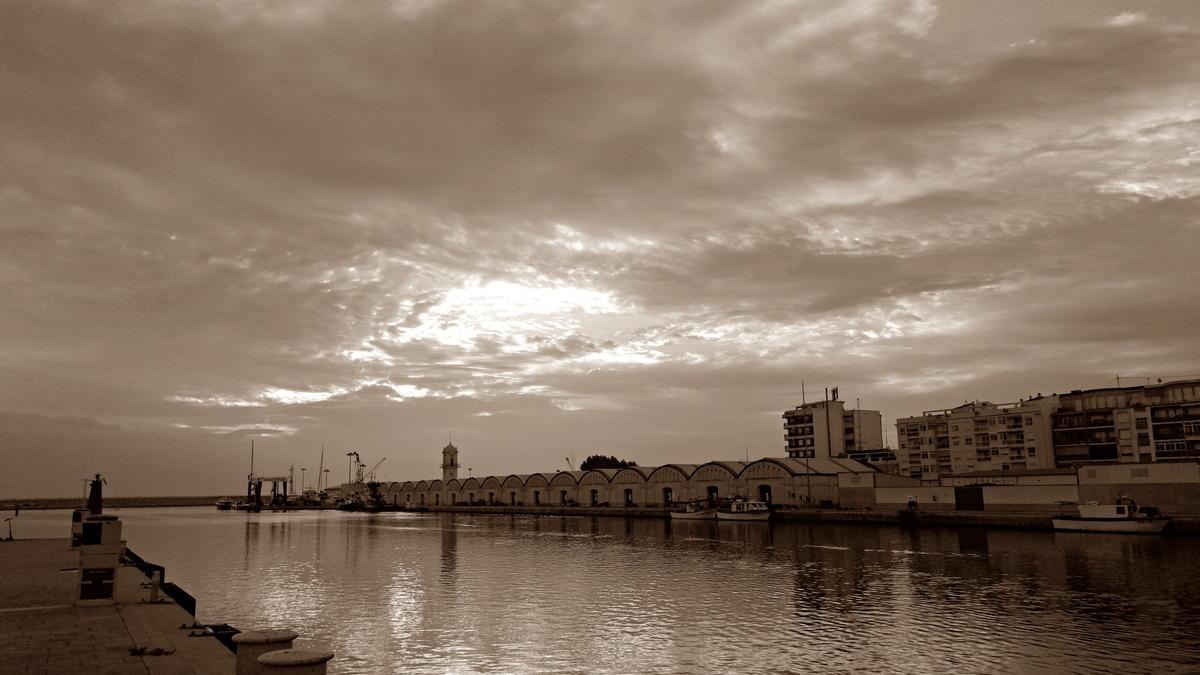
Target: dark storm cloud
[[554, 224]]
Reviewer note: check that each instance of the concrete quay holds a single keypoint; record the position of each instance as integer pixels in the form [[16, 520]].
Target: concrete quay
[[45, 628], [1039, 520]]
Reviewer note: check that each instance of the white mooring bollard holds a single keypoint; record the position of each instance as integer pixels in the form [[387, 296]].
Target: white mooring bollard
[[253, 644], [295, 661]]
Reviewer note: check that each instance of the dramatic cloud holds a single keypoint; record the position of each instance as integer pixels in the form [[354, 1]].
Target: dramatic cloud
[[567, 227]]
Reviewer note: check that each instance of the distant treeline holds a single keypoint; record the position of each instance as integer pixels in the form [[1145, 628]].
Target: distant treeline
[[604, 462], [109, 502]]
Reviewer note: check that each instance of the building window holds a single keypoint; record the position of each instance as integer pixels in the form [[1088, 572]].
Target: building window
[[1144, 440]]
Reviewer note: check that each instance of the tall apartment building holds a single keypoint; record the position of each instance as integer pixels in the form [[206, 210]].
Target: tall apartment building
[[824, 429], [979, 436], [1151, 423]]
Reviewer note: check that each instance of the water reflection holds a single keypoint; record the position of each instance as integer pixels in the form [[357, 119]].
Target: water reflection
[[440, 593]]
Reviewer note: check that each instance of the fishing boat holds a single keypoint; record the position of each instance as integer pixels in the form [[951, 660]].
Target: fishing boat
[[741, 509], [225, 504], [1124, 516], [698, 510]]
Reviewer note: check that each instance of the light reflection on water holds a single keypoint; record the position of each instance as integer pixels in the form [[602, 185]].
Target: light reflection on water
[[524, 594]]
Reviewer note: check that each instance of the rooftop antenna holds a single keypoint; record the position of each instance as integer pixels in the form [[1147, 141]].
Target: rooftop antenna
[[802, 401]]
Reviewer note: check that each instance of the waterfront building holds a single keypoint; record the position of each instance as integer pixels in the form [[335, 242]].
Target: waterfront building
[[1158, 422], [977, 436], [776, 480], [825, 429]]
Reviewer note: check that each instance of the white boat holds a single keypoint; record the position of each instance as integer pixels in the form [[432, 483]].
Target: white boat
[[225, 504], [741, 509], [1125, 516], [697, 510]]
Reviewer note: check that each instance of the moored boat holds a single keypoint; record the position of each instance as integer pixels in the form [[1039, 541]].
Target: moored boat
[[741, 509], [225, 504], [697, 510], [1125, 516]]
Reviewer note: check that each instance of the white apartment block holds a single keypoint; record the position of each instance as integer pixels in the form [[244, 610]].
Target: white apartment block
[[1151, 423], [979, 436], [825, 429]]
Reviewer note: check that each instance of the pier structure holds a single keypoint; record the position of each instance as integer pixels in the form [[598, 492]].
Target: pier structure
[[87, 604]]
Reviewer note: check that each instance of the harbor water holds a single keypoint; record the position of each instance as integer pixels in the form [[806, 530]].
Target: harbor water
[[432, 593]]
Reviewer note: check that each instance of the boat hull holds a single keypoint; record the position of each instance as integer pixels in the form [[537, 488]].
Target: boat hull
[[750, 515], [1120, 525], [693, 515]]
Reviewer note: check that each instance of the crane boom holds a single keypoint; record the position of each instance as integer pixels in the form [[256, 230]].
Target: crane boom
[[371, 471]]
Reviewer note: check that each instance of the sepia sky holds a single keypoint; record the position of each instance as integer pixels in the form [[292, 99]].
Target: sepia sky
[[556, 228]]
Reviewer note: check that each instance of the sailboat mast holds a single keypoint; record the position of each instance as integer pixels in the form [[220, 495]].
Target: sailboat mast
[[321, 467]]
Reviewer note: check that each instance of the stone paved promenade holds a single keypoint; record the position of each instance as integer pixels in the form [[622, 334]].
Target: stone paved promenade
[[42, 630]]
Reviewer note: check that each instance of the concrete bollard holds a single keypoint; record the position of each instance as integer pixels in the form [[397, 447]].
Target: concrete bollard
[[255, 643], [295, 661]]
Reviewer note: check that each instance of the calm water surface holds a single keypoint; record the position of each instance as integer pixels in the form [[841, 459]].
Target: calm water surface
[[525, 594]]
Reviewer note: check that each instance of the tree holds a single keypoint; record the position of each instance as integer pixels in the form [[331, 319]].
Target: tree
[[604, 462]]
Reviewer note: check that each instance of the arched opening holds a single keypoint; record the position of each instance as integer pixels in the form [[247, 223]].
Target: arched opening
[[595, 498], [470, 499], [668, 496], [562, 497], [512, 498], [537, 498], [437, 500], [491, 498], [628, 496], [713, 493], [764, 494], [422, 499], [453, 498]]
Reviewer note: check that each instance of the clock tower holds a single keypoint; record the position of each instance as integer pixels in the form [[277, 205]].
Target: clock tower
[[449, 463]]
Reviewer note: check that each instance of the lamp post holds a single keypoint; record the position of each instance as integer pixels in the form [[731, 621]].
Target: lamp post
[[302, 470]]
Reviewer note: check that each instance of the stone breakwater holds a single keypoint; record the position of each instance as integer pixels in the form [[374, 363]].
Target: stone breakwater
[[109, 502]]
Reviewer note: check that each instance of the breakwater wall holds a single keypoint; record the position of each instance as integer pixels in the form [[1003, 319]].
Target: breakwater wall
[[109, 502]]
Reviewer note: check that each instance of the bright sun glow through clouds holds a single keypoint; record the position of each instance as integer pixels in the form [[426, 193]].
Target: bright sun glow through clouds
[[507, 313]]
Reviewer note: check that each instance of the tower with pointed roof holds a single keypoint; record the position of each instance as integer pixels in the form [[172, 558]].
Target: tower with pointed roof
[[449, 462]]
